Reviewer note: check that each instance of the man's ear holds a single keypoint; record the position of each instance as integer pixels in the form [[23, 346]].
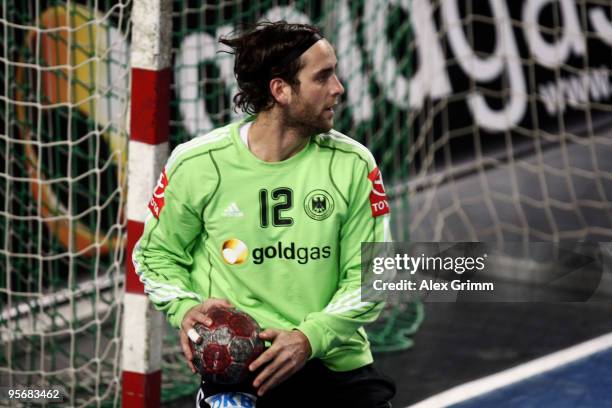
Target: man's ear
[[281, 91]]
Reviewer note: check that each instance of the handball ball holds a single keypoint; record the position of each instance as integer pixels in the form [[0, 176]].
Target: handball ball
[[228, 346]]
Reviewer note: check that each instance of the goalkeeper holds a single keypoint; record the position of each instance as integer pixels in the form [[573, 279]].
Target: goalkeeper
[[268, 214]]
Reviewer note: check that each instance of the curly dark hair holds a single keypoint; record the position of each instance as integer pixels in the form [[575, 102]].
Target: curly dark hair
[[260, 55]]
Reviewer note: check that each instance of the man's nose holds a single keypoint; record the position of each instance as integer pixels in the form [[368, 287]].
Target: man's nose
[[338, 88]]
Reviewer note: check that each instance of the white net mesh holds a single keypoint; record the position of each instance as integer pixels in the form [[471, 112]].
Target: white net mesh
[[65, 78], [514, 130]]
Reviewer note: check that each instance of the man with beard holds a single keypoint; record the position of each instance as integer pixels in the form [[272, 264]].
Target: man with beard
[[267, 215]]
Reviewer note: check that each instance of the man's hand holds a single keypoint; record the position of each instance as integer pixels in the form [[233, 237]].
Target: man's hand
[[288, 354], [198, 314]]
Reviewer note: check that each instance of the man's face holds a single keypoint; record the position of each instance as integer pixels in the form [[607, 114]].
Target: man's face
[[311, 105]]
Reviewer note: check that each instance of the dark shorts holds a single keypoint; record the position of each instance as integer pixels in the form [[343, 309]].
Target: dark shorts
[[317, 386]]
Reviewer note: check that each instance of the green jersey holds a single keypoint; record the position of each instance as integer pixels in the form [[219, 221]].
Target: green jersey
[[281, 241]]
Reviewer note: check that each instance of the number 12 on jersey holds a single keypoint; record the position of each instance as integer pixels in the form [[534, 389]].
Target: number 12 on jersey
[[281, 199]]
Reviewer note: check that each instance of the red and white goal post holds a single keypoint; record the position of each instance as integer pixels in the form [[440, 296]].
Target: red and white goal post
[[148, 150]]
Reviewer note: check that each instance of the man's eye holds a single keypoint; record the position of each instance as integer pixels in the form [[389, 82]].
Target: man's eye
[[324, 77]]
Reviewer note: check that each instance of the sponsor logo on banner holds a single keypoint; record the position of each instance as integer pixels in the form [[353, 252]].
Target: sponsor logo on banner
[[157, 201], [378, 198]]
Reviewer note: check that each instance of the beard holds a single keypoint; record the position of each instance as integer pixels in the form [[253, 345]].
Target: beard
[[306, 119]]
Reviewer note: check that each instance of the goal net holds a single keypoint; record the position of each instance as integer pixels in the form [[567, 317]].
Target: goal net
[[511, 118], [490, 121], [64, 80]]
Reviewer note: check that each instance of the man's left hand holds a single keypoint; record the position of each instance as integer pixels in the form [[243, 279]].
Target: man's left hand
[[288, 353]]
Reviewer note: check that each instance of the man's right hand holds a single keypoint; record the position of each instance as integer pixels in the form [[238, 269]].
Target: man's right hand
[[198, 314]]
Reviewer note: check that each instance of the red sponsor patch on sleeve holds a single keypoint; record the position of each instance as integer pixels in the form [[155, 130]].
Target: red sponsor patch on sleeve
[[378, 198], [157, 201]]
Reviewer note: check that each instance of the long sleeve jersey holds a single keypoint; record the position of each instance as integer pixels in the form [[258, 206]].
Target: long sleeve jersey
[[279, 240]]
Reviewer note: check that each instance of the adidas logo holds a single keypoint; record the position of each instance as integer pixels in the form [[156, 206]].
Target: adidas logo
[[232, 210]]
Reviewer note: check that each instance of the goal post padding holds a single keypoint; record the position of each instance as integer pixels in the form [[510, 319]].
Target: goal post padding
[[148, 148]]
